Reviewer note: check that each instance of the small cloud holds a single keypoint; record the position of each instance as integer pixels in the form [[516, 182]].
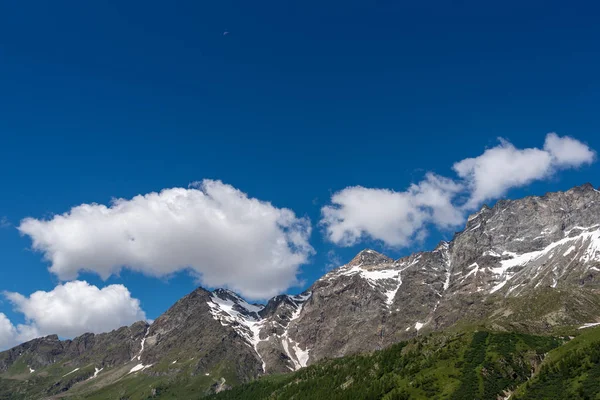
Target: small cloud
[[225, 33], [4, 222]]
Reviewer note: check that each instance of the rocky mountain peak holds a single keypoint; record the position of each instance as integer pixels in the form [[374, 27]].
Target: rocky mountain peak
[[226, 294], [370, 257], [586, 187]]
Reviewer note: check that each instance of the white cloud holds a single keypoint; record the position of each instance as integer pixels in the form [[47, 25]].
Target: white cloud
[[568, 152], [400, 218], [70, 310], [213, 229], [392, 217], [8, 333], [500, 168], [503, 167]]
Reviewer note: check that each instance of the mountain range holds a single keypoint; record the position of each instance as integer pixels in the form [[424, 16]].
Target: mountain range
[[529, 265]]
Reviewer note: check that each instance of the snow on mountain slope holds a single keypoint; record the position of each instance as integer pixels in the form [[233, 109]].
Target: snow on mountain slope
[[232, 310]]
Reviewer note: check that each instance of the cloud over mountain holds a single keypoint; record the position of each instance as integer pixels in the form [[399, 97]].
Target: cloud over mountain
[[503, 167], [69, 310], [399, 218], [212, 229], [392, 217]]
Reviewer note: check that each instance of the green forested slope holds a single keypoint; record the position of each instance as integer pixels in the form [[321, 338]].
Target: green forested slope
[[478, 365], [569, 372]]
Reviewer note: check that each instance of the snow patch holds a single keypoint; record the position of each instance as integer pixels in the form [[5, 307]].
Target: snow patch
[[387, 280], [589, 325], [491, 253], [96, 372], [447, 281], [499, 286], [247, 326], [139, 355], [139, 367], [448, 262], [591, 253], [569, 251], [475, 227], [298, 356], [474, 270], [69, 373]]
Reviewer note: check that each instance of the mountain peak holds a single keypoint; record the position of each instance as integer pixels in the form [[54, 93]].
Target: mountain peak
[[226, 294], [370, 257], [586, 187]]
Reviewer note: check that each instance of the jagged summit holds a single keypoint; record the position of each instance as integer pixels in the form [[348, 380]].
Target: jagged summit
[[370, 257], [484, 210], [442, 245], [584, 187]]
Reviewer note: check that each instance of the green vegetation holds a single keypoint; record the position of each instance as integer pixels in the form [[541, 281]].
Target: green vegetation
[[570, 372], [168, 381], [479, 365]]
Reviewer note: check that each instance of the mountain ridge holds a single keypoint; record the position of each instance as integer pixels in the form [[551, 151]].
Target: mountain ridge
[[529, 265]]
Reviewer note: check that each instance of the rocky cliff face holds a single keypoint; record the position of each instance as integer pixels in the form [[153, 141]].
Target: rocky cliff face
[[529, 264]]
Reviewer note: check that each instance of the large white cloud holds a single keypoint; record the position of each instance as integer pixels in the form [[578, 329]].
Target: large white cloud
[[74, 308], [503, 167], [392, 217], [399, 218], [211, 228]]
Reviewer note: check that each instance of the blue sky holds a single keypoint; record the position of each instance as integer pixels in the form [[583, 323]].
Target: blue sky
[[294, 104]]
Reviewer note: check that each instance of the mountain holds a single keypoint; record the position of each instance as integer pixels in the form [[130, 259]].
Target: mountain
[[529, 265]]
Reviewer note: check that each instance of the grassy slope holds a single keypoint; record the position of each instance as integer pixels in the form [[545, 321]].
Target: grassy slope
[[166, 381], [169, 380]]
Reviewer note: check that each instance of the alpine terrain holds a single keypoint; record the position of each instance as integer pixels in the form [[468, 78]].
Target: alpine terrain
[[512, 287]]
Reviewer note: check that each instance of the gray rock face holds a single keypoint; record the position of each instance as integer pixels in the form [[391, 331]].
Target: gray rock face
[[540, 251], [105, 349], [518, 245], [529, 264]]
